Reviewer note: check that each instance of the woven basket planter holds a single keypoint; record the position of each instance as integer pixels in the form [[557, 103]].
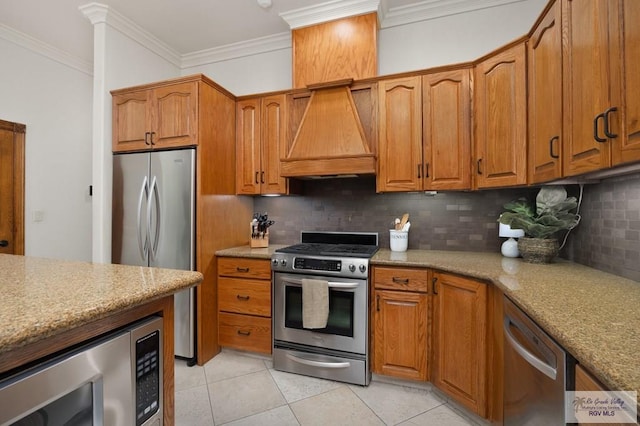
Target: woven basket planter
[[538, 250]]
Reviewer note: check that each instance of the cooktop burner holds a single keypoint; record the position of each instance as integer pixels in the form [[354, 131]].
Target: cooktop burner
[[335, 244]]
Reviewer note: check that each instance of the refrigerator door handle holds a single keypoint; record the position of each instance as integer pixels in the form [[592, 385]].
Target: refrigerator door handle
[[144, 194], [154, 201]]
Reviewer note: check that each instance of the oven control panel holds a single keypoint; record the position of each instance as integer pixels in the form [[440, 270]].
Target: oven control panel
[[314, 264], [345, 267]]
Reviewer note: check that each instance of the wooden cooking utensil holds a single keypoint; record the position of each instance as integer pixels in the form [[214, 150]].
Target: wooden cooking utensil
[[403, 221]]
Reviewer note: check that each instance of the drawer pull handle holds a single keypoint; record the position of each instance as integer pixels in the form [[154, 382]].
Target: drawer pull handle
[[400, 280], [239, 269], [242, 297], [244, 333]]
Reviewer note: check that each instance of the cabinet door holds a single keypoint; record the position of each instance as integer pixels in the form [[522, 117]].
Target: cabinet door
[[586, 85], [545, 98], [460, 339], [175, 115], [625, 29], [501, 114], [273, 115], [131, 121], [400, 340], [446, 112], [400, 135], [248, 146]]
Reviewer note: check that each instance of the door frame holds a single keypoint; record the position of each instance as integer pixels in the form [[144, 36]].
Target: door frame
[[19, 131]]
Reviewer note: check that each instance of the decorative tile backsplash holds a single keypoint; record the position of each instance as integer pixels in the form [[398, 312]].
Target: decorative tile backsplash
[[444, 221], [608, 236]]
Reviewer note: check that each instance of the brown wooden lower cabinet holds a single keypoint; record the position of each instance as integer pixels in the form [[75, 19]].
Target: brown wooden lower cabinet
[[244, 304], [460, 340], [400, 322], [586, 382], [401, 334], [436, 326]]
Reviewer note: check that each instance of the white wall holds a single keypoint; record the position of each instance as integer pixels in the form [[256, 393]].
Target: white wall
[[453, 39], [261, 73], [54, 101], [425, 44]]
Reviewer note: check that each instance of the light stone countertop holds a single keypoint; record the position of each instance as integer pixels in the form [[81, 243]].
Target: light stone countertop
[[594, 315], [44, 297]]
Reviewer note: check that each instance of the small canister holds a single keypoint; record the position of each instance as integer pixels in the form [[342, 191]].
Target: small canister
[[399, 240]]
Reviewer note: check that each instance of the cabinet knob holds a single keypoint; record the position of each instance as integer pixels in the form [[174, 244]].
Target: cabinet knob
[[433, 285], [479, 164]]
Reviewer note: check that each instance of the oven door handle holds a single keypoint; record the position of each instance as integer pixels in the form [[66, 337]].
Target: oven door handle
[[331, 284], [321, 364]]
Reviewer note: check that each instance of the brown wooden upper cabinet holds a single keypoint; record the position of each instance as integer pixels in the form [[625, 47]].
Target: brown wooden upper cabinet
[[544, 67], [500, 118], [155, 117], [260, 133], [425, 132], [446, 112], [400, 134], [602, 109]]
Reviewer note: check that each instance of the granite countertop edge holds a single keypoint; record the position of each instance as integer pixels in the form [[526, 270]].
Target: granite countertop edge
[[592, 314], [46, 297]]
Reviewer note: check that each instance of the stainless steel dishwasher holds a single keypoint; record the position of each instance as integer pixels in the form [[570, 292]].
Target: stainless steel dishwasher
[[537, 372]]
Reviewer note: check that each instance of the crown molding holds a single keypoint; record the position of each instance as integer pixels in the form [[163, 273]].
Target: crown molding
[[99, 13], [329, 11], [95, 12], [432, 9], [44, 49], [237, 50]]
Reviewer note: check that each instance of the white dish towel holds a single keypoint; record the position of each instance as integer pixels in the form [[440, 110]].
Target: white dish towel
[[315, 303]]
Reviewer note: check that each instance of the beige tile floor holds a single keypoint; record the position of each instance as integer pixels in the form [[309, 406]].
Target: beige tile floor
[[237, 388]]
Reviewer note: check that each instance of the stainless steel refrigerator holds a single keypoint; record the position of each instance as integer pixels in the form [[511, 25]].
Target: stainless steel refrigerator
[[154, 223]]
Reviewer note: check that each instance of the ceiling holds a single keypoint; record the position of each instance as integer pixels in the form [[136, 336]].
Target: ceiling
[[185, 26]]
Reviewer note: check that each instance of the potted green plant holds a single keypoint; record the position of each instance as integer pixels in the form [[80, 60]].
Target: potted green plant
[[541, 222]]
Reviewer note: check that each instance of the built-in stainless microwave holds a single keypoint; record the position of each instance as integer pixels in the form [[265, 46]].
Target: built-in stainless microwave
[[113, 380]]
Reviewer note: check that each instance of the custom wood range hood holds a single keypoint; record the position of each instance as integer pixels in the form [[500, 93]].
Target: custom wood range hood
[[331, 139], [333, 120]]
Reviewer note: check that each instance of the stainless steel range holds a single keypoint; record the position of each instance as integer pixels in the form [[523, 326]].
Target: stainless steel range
[[340, 350]]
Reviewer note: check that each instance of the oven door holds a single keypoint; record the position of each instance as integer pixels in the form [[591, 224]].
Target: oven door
[[346, 329]]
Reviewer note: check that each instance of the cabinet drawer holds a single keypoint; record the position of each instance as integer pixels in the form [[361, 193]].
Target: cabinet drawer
[[401, 279], [244, 296], [244, 268], [245, 332]]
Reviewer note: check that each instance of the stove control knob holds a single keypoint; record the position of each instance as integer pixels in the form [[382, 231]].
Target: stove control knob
[[283, 262], [363, 268], [274, 262], [352, 267]]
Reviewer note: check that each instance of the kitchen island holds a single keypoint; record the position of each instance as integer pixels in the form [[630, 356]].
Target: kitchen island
[[592, 314], [49, 305]]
